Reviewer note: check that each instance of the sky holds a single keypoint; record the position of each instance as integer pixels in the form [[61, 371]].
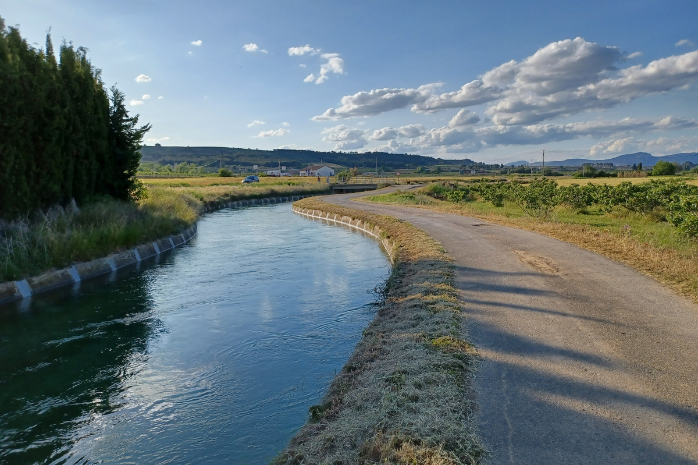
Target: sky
[[494, 81]]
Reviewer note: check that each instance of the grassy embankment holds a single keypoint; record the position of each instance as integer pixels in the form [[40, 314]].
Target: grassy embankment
[[402, 397], [62, 236], [643, 241]]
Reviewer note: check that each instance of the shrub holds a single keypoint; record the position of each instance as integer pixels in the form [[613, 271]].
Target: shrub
[[538, 199], [225, 173], [683, 213], [576, 197], [664, 168]]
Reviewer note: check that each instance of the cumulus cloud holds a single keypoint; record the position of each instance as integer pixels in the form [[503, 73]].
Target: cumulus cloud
[[273, 133], [561, 79], [683, 42], [634, 55], [407, 131], [253, 48], [302, 65], [197, 43], [663, 145], [300, 51], [457, 139], [145, 97], [346, 138], [135, 102], [143, 78], [285, 124], [160, 97], [376, 102], [464, 118], [333, 64], [255, 123]]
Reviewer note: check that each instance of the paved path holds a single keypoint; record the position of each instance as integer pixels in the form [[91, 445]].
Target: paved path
[[584, 360]]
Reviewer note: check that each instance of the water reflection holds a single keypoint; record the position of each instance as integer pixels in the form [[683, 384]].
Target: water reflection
[[213, 354]]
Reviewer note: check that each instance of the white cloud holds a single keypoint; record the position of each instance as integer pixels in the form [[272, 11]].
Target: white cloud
[[143, 78], [634, 55], [685, 42], [476, 138], [407, 131], [255, 123], [161, 97], [146, 97], [190, 53], [154, 140], [376, 102], [346, 138], [135, 102], [273, 133], [197, 43], [661, 145], [464, 118], [285, 124], [300, 51], [334, 64], [561, 79], [253, 48]]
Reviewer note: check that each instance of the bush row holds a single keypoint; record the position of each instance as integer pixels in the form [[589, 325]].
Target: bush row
[[677, 200]]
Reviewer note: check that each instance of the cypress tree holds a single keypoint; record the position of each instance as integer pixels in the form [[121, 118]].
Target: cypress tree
[[62, 136]]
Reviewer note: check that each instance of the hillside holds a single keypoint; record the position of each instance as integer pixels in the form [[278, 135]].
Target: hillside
[[622, 160], [290, 158]]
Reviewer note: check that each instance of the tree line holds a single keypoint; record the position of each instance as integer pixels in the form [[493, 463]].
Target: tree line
[[63, 135]]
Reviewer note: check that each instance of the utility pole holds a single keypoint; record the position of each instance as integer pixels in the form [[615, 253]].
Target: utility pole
[[279, 168], [531, 167], [543, 163], [376, 166], [220, 163]]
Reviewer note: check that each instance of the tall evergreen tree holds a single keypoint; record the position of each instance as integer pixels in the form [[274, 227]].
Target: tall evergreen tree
[[61, 135]]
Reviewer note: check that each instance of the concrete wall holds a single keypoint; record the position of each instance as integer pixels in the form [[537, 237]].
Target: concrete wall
[[372, 230]]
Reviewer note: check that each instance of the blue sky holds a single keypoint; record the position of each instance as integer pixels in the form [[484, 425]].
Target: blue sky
[[493, 81]]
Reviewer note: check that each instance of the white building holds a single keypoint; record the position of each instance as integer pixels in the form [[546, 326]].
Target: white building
[[317, 170]]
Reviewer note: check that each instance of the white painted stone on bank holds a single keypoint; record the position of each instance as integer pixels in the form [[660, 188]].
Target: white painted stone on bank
[[23, 288]]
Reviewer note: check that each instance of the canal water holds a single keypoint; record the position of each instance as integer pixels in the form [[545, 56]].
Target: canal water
[[211, 353]]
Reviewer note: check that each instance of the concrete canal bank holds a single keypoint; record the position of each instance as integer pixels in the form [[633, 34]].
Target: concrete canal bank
[[21, 289]]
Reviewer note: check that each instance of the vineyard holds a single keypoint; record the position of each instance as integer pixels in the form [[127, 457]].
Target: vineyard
[[673, 201]]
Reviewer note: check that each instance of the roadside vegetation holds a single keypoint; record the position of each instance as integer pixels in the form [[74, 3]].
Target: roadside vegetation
[[402, 397], [651, 225]]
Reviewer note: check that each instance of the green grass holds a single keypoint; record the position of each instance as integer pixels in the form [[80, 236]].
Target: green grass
[[60, 237]]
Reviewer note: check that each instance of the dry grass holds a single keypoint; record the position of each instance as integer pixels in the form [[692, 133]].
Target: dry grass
[[653, 248], [402, 397]]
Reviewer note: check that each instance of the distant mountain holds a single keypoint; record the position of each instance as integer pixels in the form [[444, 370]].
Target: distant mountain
[[622, 160], [290, 158]]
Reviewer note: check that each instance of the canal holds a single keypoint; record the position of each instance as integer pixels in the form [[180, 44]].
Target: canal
[[211, 353]]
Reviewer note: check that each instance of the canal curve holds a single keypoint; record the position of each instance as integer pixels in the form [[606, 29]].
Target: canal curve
[[210, 353]]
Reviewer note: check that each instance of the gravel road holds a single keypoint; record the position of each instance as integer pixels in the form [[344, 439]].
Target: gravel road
[[584, 360]]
